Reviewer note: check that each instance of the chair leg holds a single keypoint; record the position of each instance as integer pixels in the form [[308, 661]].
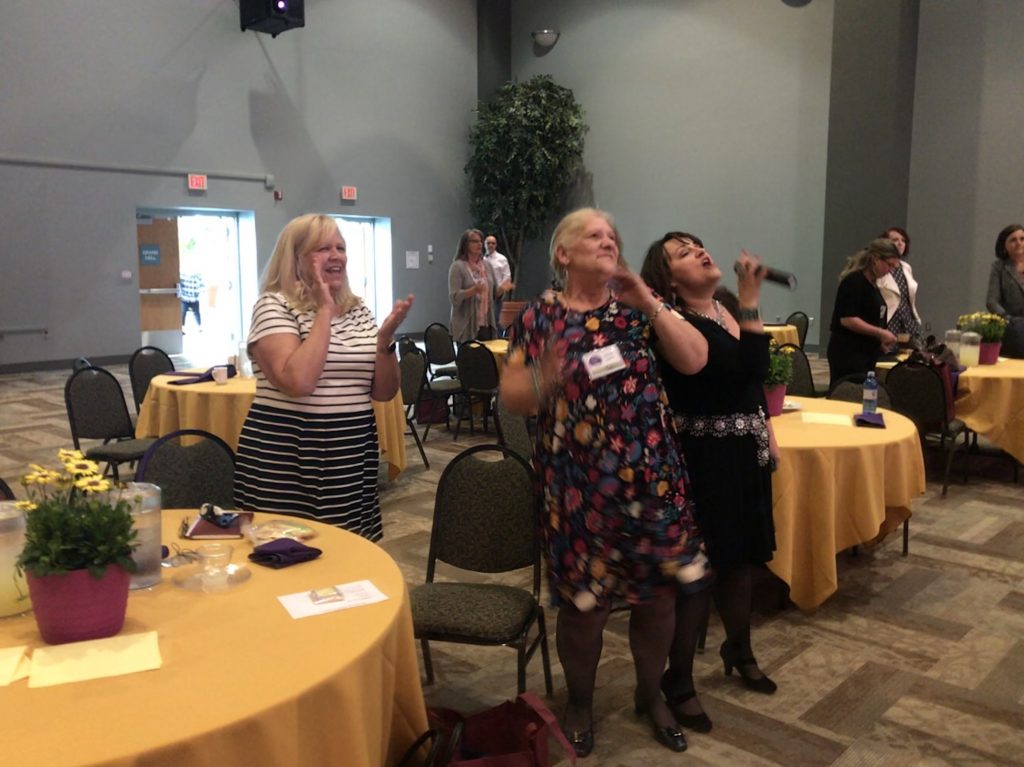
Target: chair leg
[[428, 664], [906, 536], [545, 657], [419, 445], [521, 670]]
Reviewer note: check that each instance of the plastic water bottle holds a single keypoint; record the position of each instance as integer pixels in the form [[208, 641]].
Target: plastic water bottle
[[870, 393]]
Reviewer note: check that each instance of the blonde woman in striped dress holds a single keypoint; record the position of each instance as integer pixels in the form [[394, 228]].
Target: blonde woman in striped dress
[[309, 444]]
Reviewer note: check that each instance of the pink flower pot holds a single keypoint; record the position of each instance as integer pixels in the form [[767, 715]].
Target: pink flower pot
[[75, 606], [775, 396], [988, 354]]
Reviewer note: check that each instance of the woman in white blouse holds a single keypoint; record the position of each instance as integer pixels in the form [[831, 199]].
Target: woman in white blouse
[[899, 291]]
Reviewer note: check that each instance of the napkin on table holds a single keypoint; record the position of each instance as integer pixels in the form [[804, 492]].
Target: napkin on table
[[874, 420], [283, 552], [185, 379]]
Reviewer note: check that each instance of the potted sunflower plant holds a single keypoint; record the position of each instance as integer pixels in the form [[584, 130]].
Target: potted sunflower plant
[[780, 375], [990, 327], [77, 557]]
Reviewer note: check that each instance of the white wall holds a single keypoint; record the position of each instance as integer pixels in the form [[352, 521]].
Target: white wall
[[708, 115], [378, 94], [967, 175]]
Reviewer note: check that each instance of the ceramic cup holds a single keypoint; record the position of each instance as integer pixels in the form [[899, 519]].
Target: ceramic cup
[[220, 374]]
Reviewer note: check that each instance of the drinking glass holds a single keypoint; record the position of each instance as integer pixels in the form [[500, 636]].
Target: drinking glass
[[214, 559]]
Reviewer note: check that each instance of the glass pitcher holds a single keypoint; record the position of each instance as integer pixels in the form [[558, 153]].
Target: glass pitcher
[[953, 342], [14, 597], [970, 348], [144, 500]]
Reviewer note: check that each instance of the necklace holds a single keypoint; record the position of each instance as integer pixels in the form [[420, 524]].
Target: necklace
[[718, 319]]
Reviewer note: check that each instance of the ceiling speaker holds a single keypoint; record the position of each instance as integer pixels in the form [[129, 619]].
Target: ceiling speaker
[[272, 16]]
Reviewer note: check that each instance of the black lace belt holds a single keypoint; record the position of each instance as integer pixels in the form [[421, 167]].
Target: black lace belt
[[729, 425]]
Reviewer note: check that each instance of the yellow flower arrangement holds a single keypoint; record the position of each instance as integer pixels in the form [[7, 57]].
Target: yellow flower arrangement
[[70, 521], [990, 327], [780, 365]]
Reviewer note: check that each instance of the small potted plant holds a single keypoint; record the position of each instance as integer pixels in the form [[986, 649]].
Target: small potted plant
[[78, 550], [990, 327], [780, 375]]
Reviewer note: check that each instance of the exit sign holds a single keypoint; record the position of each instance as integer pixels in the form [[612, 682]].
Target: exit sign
[[197, 182], [349, 193]]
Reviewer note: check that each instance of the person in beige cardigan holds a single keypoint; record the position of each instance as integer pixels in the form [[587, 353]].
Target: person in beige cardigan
[[472, 289]]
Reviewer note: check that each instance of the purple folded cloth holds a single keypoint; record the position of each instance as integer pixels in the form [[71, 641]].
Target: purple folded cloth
[[284, 552], [194, 378], [869, 419]]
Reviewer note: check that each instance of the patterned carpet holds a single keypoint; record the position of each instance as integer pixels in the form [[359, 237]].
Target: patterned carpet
[[915, 661]]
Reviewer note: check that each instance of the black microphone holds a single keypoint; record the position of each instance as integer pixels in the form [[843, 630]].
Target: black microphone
[[779, 277]]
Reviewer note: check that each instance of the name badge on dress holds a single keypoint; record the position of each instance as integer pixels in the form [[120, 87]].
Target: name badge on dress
[[601, 362]]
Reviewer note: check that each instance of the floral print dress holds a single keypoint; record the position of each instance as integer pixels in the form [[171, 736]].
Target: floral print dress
[[617, 523]]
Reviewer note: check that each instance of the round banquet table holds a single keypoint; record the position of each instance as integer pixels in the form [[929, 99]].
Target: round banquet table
[[221, 409], [837, 486], [991, 401], [242, 683], [783, 334], [499, 348]]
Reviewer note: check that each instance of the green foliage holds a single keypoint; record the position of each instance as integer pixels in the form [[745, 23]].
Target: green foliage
[[526, 146], [780, 365]]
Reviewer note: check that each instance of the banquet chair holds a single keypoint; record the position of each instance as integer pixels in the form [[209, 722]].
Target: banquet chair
[[412, 368], [513, 430], [478, 374], [851, 389], [190, 475], [437, 340], [919, 393], [6, 494], [486, 513], [97, 410], [406, 345], [801, 322], [145, 363], [802, 384]]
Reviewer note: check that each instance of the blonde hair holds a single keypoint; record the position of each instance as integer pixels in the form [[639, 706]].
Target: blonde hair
[[881, 247], [570, 229], [299, 237]]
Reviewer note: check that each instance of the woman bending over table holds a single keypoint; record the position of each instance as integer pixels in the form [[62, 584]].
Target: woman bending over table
[[618, 523], [899, 291], [309, 444], [859, 334], [1006, 288], [727, 441]]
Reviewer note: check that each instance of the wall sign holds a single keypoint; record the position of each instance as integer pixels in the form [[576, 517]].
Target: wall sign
[[149, 255]]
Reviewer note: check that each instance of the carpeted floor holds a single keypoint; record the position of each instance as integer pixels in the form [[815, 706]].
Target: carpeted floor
[[915, 661]]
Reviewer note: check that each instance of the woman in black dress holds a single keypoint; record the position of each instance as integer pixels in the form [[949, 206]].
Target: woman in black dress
[[729, 450], [858, 326]]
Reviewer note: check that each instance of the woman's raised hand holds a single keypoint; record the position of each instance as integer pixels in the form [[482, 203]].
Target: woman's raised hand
[[320, 288], [632, 290], [749, 276], [396, 318]]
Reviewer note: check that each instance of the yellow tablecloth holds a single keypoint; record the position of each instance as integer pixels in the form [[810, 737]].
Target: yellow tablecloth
[[221, 409], [499, 348], [837, 486], [991, 401], [783, 334], [242, 683]]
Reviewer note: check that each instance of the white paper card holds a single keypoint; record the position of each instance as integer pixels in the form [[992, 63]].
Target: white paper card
[[831, 419], [355, 594], [11, 659], [412, 259], [94, 659]]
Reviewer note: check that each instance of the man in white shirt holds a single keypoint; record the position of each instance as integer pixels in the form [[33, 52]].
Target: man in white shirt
[[502, 274]]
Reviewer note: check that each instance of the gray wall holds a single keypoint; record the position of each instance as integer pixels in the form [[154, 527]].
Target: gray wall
[[707, 115], [966, 170], [376, 94], [874, 49]]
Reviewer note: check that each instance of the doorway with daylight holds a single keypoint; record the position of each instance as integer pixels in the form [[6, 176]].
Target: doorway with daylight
[[368, 245], [197, 281]]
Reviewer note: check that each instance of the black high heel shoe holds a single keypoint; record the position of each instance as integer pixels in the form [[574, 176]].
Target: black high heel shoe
[[696, 722], [731, 660], [582, 741], [670, 737]]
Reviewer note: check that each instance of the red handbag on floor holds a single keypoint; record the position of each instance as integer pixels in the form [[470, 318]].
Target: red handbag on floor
[[514, 734]]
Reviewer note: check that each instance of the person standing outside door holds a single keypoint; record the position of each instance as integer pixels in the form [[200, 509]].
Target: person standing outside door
[[502, 275], [190, 288]]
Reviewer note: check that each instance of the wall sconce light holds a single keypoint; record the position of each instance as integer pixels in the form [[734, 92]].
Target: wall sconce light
[[545, 38]]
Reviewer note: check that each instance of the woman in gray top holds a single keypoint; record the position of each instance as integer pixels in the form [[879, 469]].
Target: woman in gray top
[[1006, 288], [472, 289]]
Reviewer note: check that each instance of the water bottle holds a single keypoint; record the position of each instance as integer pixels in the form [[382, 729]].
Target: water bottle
[[870, 393]]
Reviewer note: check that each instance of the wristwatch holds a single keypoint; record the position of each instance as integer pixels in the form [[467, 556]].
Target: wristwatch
[[390, 350], [749, 315]]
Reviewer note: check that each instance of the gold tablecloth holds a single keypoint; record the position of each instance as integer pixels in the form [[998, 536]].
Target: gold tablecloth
[[221, 409], [991, 401], [242, 683], [499, 348], [783, 334], [837, 486]]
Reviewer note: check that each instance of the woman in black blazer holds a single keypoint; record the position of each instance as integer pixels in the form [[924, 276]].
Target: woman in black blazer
[[1006, 287]]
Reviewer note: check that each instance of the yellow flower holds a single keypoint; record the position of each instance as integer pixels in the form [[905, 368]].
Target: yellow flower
[[93, 484], [81, 467], [41, 477], [26, 505], [69, 455]]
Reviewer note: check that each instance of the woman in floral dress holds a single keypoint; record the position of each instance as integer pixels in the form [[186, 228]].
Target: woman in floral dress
[[617, 522]]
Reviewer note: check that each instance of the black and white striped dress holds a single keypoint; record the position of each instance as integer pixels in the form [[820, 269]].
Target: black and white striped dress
[[314, 456]]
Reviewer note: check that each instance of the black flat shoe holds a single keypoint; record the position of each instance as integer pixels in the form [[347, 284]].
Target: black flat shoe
[[731, 660], [670, 737], [582, 742]]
